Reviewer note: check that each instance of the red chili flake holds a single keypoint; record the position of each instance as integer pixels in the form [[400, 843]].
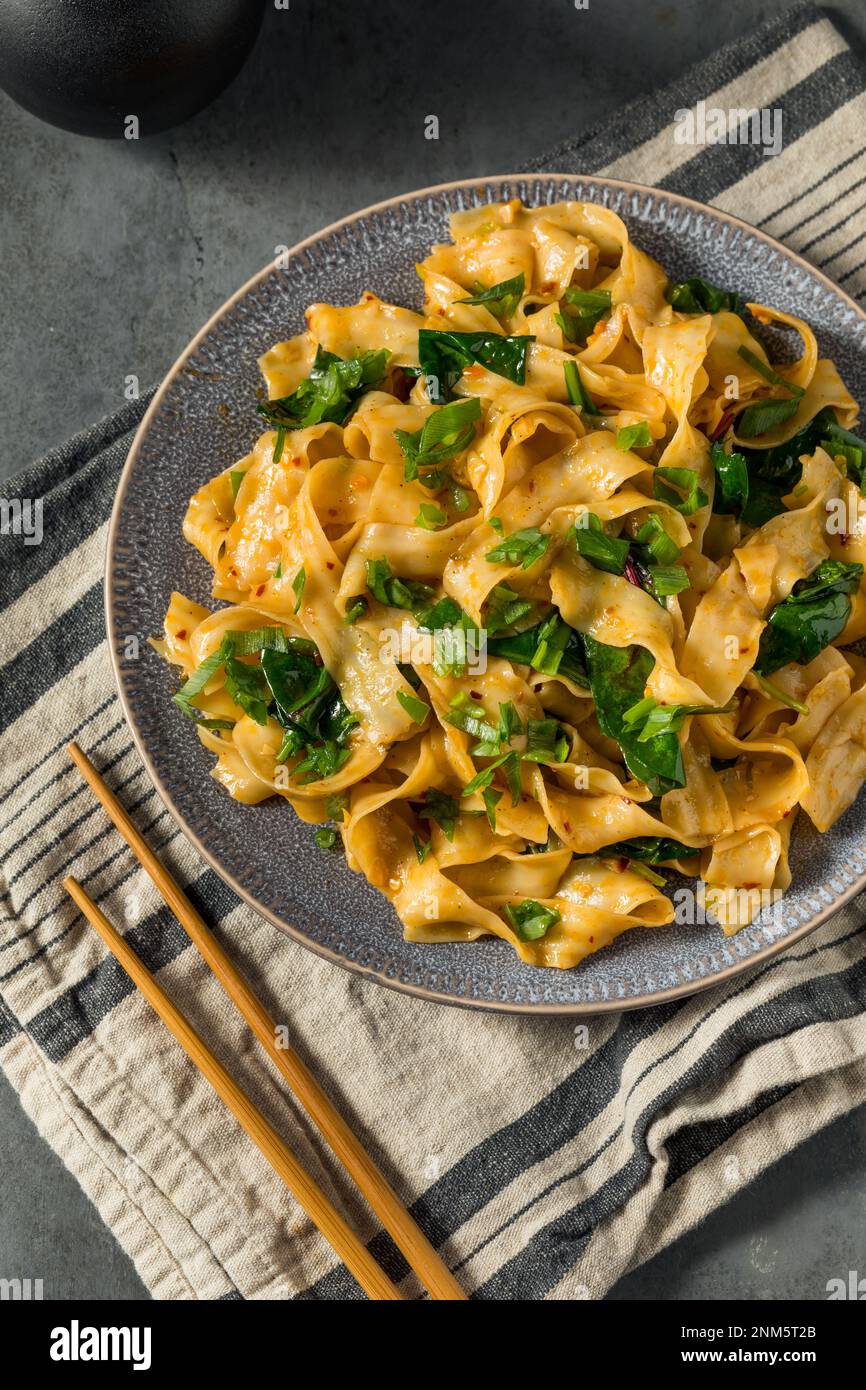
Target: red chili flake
[[592, 940], [531, 485], [260, 590], [722, 426], [329, 564], [751, 885], [181, 634], [547, 288], [476, 694], [566, 825], [631, 573]]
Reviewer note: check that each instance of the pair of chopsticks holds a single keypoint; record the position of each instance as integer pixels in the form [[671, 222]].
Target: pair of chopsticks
[[407, 1236]]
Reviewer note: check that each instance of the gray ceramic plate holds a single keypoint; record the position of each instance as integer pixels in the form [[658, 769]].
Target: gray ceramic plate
[[203, 418]]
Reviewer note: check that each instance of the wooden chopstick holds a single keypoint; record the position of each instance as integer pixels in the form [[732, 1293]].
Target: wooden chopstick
[[404, 1231], [373, 1280]]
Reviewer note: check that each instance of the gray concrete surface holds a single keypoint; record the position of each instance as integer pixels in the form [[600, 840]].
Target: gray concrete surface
[[114, 254]]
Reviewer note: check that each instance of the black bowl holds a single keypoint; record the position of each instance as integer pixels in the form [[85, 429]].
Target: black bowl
[[90, 65]]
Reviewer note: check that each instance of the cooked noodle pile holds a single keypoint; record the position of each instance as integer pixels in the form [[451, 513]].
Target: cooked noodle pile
[[540, 589]]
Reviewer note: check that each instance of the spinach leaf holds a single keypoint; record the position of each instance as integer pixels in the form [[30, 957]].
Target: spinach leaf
[[764, 502], [653, 545], [505, 607], [394, 592], [767, 372], [775, 472], [634, 436], [292, 685], [429, 517], [509, 762], [594, 544], [520, 548], [651, 849], [444, 613], [634, 558], [416, 709], [776, 692], [213, 724], [551, 647], [851, 448], [546, 742], [355, 610], [294, 680], [298, 584], [329, 393], [529, 919], [444, 356], [732, 480], [558, 648], [518, 646], [321, 730], [441, 808], [233, 645], [781, 463], [450, 626], [185, 697], [764, 415], [510, 722], [444, 435], [500, 300], [685, 481], [308, 704], [581, 311], [261, 639], [491, 800], [667, 579], [697, 296], [810, 618], [648, 718], [617, 680], [471, 718], [576, 390]]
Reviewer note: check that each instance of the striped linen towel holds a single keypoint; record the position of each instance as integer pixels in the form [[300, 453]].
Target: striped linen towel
[[545, 1160]]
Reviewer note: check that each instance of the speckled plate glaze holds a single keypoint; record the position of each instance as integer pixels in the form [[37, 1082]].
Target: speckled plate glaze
[[203, 418]]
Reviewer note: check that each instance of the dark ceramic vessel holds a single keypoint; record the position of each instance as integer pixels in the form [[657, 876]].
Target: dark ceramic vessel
[[88, 65]]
